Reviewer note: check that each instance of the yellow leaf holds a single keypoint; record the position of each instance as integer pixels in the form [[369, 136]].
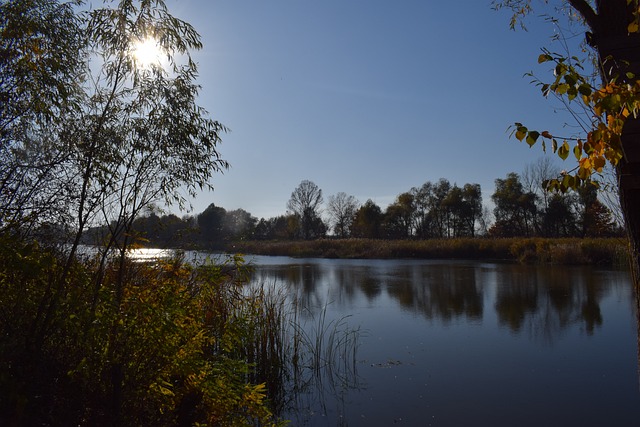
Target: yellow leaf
[[625, 113], [584, 173], [633, 27], [598, 164]]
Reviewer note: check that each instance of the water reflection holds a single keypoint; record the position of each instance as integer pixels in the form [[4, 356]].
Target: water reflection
[[464, 343], [440, 291], [540, 300], [547, 300]]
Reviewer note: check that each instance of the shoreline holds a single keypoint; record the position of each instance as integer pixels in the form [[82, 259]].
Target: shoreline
[[564, 251]]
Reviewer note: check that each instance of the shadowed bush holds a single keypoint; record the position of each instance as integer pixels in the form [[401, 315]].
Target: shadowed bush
[[163, 354]]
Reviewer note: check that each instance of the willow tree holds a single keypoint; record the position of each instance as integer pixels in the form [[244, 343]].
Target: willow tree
[[93, 130], [99, 119], [612, 133], [40, 69]]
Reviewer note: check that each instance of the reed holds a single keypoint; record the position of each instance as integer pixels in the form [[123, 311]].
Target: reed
[[604, 251], [292, 356]]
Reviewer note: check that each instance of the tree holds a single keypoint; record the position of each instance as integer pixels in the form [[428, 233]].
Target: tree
[[558, 218], [536, 174], [611, 134], [445, 211], [211, 223], [41, 68], [472, 198], [239, 224], [368, 221], [421, 197], [166, 231], [515, 209], [398, 219], [595, 219], [278, 228], [305, 204], [453, 210], [342, 209], [91, 137], [437, 215]]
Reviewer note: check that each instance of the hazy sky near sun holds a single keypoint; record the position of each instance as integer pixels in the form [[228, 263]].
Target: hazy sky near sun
[[369, 98]]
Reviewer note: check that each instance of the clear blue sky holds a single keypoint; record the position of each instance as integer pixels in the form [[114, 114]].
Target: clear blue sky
[[369, 98]]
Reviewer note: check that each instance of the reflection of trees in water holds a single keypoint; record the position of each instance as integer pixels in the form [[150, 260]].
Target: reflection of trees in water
[[302, 282], [371, 286], [548, 300], [438, 291], [543, 300], [316, 285], [516, 295]]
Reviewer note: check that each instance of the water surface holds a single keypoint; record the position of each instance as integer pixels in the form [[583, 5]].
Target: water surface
[[469, 343]]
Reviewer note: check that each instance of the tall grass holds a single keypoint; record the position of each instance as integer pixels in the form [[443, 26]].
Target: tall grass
[[605, 251], [291, 356]]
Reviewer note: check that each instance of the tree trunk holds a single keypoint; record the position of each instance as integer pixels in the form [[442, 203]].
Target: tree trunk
[[629, 189], [619, 54]]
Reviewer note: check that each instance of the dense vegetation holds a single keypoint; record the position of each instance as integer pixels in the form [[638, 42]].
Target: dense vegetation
[[91, 136], [601, 251], [170, 349]]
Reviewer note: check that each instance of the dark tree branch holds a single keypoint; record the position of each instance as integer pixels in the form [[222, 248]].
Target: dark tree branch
[[590, 16]]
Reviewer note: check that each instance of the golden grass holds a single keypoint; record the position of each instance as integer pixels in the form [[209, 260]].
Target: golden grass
[[605, 251]]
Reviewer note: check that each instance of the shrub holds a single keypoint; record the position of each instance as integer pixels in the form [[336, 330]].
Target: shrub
[[161, 351]]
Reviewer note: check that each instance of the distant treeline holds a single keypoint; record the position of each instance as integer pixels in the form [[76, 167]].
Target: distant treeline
[[436, 210]]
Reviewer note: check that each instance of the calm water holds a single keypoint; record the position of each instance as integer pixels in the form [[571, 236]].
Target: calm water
[[470, 344]]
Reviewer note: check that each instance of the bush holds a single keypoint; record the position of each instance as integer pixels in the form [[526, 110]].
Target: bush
[[140, 344]]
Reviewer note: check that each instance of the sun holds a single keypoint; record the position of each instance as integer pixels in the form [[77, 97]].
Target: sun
[[146, 53]]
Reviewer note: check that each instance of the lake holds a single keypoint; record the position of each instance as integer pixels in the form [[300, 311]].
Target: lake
[[448, 343]]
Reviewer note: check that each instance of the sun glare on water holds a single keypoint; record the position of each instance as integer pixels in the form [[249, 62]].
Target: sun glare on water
[[146, 53]]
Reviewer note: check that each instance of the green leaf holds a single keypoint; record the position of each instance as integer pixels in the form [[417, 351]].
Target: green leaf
[[585, 89], [532, 137], [571, 79], [560, 69], [563, 151], [577, 151], [568, 181], [561, 89], [521, 132]]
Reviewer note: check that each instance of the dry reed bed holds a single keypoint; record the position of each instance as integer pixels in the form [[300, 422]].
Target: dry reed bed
[[601, 251]]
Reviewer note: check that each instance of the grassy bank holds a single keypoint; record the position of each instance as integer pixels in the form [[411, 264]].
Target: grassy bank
[[531, 250]]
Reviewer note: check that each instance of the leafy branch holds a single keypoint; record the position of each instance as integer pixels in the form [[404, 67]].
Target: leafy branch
[[609, 106]]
